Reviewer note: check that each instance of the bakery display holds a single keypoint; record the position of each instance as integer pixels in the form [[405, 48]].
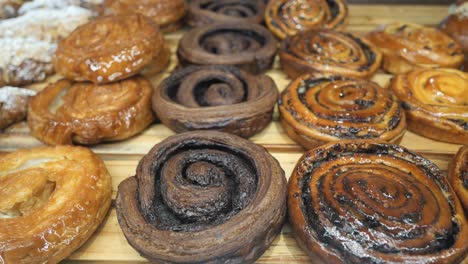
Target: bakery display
[[217, 97], [206, 197], [86, 113], [330, 52], [288, 17], [202, 12], [13, 105], [319, 109], [53, 199], [409, 46], [167, 14], [246, 45], [458, 176], [436, 103], [111, 48], [363, 202]]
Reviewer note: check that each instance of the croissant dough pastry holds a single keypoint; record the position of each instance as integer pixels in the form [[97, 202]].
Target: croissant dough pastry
[[458, 176], [456, 25], [436, 103], [217, 97], [409, 46], [13, 105], [203, 197], [330, 52], [85, 113], [53, 199], [364, 202]]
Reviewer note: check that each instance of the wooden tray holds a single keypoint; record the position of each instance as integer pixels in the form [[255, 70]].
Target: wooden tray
[[109, 245]]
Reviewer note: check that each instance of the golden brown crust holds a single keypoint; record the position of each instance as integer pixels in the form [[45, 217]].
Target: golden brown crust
[[53, 199], [458, 176], [436, 103], [456, 26], [13, 105], [85, 113]]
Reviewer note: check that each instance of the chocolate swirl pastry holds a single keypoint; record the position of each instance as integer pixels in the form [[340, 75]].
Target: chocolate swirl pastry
[[286, 18], [409, 46], [364, 202], [458, 176], [436, 103], [111, 48], [202, 12], [85, 113], [13, 105], [203, 197], [217, 97], [318, 109], [248, 46], [325, 51]]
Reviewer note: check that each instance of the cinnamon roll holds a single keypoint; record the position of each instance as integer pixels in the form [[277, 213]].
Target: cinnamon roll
[[85, 113], [13, 105], [436, 103], [409, 46], [248, 46], [364, 202], [325, 51], [286, 18], [217, 97], [458, 176], [203, 197], [53, 199]]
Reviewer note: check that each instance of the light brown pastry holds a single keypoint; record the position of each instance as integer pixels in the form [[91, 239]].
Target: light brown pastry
[[9, 8], [13, 105], [458, 176]]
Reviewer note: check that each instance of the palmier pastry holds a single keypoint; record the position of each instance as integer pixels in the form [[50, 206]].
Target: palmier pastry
[[202, 12], [166, 13], [216, 97], [325, 51], [318, 109], [363, 202], [53, 199], [111, 48], [456, 25], [203, 197], [436, 103], [85, 113], [458, 176], [13, 105], [409, 46], [248, 46], [288, 17]]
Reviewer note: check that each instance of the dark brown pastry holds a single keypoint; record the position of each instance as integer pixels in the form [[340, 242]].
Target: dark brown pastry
[[111, 48], [85, 113], [364, 202], [456, 25], [13, 105], [248, 46], [203, 197], [409, 46], [436, 103], [458, 176], [217, 97], [288, 17], [318, 109], [330, 52]]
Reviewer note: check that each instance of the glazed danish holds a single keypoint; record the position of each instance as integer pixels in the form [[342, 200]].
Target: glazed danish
[[53, 199], [364, 202], [458, 176], [203, 197], [13, 105]]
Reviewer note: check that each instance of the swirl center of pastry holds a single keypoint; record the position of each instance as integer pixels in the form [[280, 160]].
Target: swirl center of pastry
[[232, 41]]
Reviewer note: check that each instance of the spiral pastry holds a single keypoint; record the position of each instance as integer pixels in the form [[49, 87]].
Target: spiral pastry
[[248, 46], [436, 103], [364, 202], [53, 199], [218, 97], [111, 48], [318, 109], [286, 18], [458, 176], [203, 197], [409, 46], [330, 52], [85, 113]]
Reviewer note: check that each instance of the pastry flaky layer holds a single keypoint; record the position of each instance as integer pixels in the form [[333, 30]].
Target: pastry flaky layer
[[331, 52], [316, 109], [286, 18], [364, 202], [85, 113], [436, 103], [53, 199], [111, 48], [203, 197], [458, 176], [409, 46], [218, 97]]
